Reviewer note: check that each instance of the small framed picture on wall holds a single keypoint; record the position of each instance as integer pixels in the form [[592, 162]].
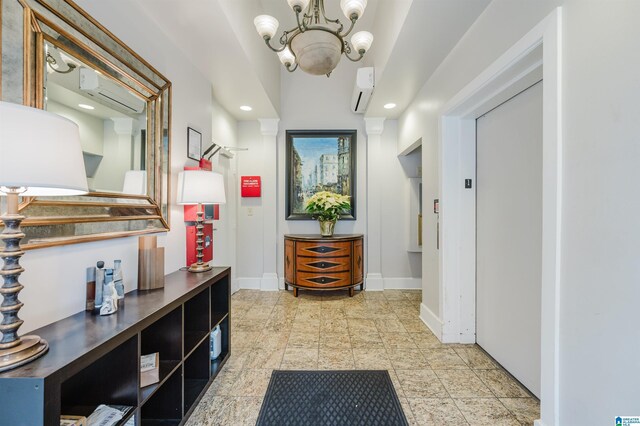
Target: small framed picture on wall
[[194, 144]]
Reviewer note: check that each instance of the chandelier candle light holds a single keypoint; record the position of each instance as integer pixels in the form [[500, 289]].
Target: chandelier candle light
[[40, 155], [317, 42]]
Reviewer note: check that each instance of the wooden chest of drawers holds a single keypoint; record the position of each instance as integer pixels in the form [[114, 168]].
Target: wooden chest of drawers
[[323, 263]]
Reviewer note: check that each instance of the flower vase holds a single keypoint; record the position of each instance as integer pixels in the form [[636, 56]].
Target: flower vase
[[326, 227]]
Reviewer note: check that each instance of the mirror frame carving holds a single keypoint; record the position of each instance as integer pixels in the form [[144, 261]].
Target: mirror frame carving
[[124, 66]]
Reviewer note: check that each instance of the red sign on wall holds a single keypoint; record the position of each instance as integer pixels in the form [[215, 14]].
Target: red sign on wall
[[250, 186]]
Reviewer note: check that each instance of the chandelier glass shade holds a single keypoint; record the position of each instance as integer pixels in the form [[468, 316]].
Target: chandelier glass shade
[[317, 43]]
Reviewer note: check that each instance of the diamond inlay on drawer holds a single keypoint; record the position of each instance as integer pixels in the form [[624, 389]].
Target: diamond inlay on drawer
[[323, 265]]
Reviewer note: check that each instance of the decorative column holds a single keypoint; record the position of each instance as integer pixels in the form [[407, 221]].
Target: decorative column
[[269, 131], [374, 128]]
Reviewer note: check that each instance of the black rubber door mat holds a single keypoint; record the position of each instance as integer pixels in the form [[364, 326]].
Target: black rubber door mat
[[314, 398]]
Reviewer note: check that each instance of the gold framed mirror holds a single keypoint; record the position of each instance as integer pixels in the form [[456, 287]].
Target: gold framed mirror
[[57, 57]]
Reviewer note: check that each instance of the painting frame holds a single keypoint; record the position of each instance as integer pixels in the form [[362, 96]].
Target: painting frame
[[194, 144], [291, 135]]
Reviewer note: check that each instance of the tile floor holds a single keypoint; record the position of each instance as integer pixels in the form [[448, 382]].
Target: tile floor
[[437, 384]]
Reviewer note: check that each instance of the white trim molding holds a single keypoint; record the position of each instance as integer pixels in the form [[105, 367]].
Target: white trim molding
[[373, 256], [431, 320], [269, 131], [269, 282], [402, 283], [248, 283], [536, 56], [374, 282]]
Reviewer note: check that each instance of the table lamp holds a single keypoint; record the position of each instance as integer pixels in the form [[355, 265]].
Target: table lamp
[[200, 187], [40, 155]]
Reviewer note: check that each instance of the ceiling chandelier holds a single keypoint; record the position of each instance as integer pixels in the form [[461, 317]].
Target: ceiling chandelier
[[317, 43]]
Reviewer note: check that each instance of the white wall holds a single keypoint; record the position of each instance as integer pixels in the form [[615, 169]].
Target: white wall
[[497, 28], [306, 105], [400, 268], [600, 233], [55, 277], [91, 128]]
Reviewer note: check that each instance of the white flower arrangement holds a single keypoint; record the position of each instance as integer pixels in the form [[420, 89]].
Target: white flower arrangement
[[325, 205]]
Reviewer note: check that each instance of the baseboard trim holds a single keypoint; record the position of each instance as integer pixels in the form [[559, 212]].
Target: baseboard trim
[[269, 282], [374, 282], [402, 283], [249, 283], [235, 285], [431, 320], [538, 423]]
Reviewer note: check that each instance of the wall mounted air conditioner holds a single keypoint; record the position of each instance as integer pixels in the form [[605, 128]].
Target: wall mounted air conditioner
[[365, 82], [109, 93]]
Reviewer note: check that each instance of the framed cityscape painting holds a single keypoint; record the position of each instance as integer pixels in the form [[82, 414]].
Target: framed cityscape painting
[[319, 160]]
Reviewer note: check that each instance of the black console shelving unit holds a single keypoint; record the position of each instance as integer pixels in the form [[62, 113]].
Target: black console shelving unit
[[95, 360]]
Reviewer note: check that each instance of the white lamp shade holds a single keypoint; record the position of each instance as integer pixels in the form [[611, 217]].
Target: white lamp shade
[[40, 151], [361, 41], [266, 25], [302, 3], [286, 56], [135, 182], [353, 7], [200, 187]]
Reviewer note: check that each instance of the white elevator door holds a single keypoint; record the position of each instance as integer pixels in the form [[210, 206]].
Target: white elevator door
[[509, 234]]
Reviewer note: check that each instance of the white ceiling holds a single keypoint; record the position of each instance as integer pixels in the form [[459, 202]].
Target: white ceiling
[[411, 38]]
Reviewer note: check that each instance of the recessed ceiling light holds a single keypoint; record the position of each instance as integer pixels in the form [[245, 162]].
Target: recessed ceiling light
[[85, 106], [389, 106], [246, 108]]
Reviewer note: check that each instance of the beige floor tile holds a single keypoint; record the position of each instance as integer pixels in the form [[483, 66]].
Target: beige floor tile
[[475, 357], [264, 358], [271, 340], [335, 359], [414, 325], [406, 408], [242, 411], [371, 359], [305, 326], [238, 358], [251, 383], [421, 384], [243, 339], [436, 412], [308, 340], [407, 359], [333, 325], [398, 341], [526, 410], [366, 341], [444, 359], [501, 384], [390, 326], [211, 411], [385, 332], [335, 340], [426, 340], [361, 326], [463, 384], [224, 382], [485, 412], [300, 359]]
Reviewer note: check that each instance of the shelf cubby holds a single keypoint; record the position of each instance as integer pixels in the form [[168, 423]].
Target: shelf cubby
[[196, 374], [220, 301], [196, 320], [216, 364], [111, 379], [165, 405]]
